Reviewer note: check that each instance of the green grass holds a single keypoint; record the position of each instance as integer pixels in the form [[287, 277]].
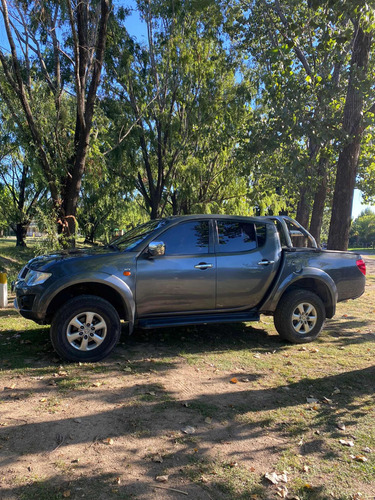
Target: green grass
[[13, 258]]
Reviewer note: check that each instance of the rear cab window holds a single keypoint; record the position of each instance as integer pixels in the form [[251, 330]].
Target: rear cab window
[[239, 236]]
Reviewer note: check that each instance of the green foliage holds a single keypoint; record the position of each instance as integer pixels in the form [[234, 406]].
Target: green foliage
[[362, 232], [224, 107]]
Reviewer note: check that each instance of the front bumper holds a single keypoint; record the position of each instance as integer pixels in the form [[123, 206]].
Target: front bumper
[[26, 300]]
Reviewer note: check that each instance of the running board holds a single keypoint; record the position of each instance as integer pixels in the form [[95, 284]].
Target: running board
[[195, 319]]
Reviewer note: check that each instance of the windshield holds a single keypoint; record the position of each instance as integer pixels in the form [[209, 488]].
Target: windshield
[[132, 238]]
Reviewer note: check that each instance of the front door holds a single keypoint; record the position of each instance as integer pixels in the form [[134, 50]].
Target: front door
[[183, 280]]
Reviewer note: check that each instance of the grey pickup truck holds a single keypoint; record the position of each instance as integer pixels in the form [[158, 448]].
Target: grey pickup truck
[[188, 270]]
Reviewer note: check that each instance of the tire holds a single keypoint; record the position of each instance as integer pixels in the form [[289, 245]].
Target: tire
[[86, 328], [299, 316]]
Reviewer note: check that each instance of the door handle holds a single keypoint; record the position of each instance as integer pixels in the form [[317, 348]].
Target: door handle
[[203, 266], [266, 262]]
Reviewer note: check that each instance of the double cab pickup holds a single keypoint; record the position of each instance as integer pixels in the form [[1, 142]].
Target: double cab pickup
[[188, 270]]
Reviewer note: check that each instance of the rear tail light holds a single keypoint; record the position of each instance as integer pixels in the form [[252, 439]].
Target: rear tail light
[[361, 266]]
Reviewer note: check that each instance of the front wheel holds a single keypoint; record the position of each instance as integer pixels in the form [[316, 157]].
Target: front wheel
[[299, 316], [86, 328]]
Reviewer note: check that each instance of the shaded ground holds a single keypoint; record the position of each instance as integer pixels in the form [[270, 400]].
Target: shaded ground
[[212, 408]]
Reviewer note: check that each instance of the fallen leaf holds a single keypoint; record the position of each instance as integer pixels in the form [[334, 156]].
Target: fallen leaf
[[109, 441], [188, 430], [233, 380], [346, 442], [62, 373], [151, 393], [162, 479], [359, 458], [208, 420], [43, 400], [272, 478], [97, 384], [10, 388], [127, 369], [276, 478], [311, 400], [66, 493], [344, 315], [327, 401], [282, 491], [157, 458]]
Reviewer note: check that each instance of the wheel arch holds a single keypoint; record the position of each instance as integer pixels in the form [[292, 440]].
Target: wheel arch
[[122, 300], [312, 279]]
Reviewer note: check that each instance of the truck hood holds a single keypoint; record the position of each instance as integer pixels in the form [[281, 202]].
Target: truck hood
[[45, 262]]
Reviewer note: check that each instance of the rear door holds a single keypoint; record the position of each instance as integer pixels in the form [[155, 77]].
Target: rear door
[[247, 257], [182, 280]]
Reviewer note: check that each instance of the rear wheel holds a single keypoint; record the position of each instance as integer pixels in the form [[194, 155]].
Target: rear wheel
[[86, 328], [299, 316]]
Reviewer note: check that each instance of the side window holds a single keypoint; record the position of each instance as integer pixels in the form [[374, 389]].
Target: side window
[[236, 236], [187, 238]]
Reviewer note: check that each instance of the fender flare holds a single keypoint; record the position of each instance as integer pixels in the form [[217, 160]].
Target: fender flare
[[314, 273], [118, 285]]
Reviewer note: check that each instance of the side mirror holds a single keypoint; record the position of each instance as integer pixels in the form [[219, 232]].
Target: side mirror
[[156, 248]]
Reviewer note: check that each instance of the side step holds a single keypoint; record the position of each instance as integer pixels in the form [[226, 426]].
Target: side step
[[197, 319]]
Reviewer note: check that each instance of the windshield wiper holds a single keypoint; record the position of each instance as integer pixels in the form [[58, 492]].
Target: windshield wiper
[[112, 245]]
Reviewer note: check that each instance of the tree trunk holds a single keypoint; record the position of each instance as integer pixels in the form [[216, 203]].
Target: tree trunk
[[348, 159], [303, 210], [319, 202], [302, 216], [21, 232]]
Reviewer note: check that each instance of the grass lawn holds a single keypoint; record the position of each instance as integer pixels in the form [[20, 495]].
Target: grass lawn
[[209, 411]]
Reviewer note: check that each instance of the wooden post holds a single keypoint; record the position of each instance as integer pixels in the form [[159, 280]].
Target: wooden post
[[3, 290]]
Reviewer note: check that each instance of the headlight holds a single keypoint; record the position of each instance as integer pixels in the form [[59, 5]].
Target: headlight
[[36, 277]]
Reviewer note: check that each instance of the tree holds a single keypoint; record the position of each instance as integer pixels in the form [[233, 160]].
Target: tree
[[22, 186], [362, 231], [56, 58], [310, 58], [179, 99]]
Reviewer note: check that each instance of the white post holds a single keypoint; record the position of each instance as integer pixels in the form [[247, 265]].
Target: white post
[[3, 290]]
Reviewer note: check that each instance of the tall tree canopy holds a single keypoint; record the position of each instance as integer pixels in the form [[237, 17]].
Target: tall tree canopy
[[53, 70], [240, 106]]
